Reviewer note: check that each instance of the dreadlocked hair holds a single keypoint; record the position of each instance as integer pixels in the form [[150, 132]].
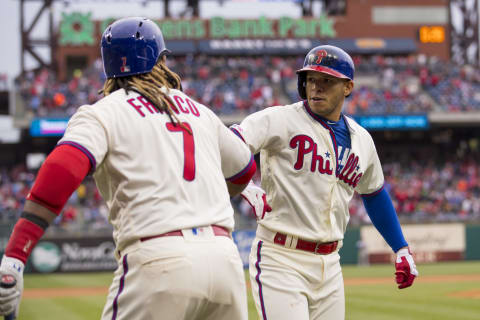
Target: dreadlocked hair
[[149, 85]]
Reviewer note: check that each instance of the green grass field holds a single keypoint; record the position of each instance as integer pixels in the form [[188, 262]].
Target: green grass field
[[447, 291]]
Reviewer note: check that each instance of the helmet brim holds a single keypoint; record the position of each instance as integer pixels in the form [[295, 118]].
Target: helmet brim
[[323, 69]]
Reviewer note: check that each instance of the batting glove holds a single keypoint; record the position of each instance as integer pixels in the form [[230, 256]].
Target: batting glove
[[257, 199], [10, 297], [406, 268]]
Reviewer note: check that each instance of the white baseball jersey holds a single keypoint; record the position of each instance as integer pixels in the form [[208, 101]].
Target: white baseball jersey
[[153, 175], [298, 155]]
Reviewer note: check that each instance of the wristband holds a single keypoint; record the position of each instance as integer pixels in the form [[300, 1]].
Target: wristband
[[24, 237]]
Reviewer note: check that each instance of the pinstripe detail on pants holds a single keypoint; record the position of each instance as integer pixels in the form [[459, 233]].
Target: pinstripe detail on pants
[[257, 278], [120, 289]]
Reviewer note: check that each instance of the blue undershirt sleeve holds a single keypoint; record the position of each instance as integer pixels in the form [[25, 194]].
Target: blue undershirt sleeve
[[380, 209]]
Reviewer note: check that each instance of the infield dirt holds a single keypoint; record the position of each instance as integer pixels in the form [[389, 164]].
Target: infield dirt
[[88, 291]]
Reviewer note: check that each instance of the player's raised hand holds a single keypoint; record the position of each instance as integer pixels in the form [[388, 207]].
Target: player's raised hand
[[257, 199], [11, 288], [406, 270]]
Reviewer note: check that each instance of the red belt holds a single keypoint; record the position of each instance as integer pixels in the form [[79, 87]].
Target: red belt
[[217, 230], [310, 246]]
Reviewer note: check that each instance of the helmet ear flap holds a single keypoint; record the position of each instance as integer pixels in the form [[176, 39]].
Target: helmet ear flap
[[301, 85]]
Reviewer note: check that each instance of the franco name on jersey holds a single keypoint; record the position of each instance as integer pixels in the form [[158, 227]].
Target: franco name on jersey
[[142, 105]]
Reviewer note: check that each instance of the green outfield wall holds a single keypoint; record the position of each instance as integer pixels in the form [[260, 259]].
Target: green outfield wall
[[349, 252], [472, 249]]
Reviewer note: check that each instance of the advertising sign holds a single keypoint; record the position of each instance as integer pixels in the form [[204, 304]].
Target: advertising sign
[[74, 255], [48, 127], [429, 243]]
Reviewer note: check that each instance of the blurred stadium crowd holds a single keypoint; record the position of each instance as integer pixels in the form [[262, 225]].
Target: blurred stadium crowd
[[438, 189], [422, 191], [383, 85]]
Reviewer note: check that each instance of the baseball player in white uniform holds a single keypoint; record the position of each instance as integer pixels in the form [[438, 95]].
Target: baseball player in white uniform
[[166, 167], [313, 159]]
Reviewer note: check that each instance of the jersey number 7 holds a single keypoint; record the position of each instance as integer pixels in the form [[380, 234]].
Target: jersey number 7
[[188, 149]]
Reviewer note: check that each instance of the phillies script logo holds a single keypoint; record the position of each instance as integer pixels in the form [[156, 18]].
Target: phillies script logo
[[350, 174], [307, 148], [317, 57]]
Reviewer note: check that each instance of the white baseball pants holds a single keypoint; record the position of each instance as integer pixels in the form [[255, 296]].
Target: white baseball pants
[[179, 277], [293, 284]]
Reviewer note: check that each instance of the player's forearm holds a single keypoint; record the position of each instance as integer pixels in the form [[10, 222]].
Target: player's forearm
[[60, 175], [382, 213], [235, 189], [27, 232]]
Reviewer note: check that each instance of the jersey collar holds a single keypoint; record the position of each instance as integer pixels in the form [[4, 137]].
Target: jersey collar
[[323, 121]]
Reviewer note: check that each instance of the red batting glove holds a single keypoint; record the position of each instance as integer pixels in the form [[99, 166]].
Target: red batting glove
[[406, 268], [257, 199]]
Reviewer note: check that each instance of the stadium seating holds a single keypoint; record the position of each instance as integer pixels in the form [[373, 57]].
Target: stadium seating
[[396, 85]]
